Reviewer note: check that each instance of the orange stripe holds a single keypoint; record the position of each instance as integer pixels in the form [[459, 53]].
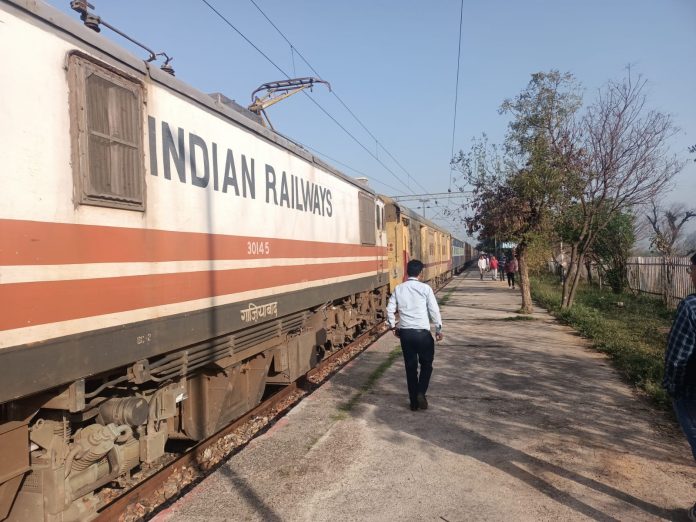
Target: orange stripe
[[30, 304], [41, 243]]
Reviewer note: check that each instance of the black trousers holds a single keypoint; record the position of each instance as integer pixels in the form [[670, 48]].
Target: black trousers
[[418, 346], [511, 279]]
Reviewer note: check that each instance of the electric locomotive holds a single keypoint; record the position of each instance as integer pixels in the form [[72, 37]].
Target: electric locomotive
[[164, 257]]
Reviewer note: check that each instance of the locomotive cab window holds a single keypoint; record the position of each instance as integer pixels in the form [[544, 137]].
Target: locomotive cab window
[[367, 218], [107, 136]]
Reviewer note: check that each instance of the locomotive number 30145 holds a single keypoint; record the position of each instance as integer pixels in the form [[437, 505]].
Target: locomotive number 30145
[[258, 248]]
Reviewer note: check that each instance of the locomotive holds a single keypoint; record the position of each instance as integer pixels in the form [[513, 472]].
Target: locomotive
[[164, 258]]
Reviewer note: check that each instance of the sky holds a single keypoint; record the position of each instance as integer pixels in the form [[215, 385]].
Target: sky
[[394, 65]]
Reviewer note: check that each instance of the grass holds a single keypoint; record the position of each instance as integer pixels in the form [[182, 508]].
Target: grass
[[441, 301], [369, 383], [633, 334], [519, 318]]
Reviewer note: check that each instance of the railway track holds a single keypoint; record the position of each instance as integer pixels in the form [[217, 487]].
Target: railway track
[[157, 487]]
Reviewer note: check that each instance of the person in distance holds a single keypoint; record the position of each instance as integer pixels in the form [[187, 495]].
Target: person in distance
[[417, 306], [511, 268], [482, 265], [494, 268]]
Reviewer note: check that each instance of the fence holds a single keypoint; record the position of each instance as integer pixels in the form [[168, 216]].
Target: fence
[[667, 277]]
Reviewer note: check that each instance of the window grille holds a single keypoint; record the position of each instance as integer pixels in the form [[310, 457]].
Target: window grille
[[107, 137], [367, 218]]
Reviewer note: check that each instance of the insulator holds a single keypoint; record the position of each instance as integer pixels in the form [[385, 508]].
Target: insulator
[[91, 21], [166, 67]]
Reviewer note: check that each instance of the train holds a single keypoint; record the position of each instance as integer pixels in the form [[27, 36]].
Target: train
[[165, 257]]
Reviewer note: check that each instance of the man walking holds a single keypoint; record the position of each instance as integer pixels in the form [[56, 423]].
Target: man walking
[[417, 306], [680, 368]]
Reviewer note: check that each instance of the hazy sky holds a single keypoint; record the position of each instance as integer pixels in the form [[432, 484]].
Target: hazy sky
[[393, 63]]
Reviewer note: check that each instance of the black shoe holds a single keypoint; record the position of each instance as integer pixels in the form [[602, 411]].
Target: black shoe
[[414, 407], [422, 401]]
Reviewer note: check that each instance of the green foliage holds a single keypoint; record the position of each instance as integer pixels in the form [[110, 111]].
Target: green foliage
[[442, 300], [617, 237], [634, 335], [613, 234], [550, 99], [539, 253]]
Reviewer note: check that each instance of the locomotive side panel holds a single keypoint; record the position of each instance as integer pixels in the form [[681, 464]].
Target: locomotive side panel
[[228, 218]]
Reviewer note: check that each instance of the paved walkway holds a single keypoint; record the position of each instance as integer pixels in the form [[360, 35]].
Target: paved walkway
[[525, 423]]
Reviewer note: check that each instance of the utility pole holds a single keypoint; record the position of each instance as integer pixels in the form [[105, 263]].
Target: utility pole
[[423, 202]]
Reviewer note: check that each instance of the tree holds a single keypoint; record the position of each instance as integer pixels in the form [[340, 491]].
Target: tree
[[516, 198], [612, 248], [667, 226], [625, 163], [496, 209], [542, 158]]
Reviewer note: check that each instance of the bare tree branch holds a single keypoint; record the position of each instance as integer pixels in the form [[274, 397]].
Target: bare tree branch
[[667, 226]]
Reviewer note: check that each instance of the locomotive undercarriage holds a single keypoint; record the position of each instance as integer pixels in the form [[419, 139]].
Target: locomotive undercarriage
[[97, 431]]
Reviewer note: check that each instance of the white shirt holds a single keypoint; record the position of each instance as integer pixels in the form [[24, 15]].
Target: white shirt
[[417, 305], [482, 263]]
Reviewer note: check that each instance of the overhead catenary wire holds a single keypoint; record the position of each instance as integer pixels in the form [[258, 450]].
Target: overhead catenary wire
[[339, 162], [294, 50], [456, 89], [232, 26], [445, 195], [356, 140]]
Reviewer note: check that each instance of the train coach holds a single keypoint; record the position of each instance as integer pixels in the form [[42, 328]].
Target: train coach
[[164, 257], [458, 255], [411, 236], [462, 255]]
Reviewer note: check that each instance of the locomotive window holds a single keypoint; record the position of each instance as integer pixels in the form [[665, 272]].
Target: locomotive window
[[367, 218], [107, 136]]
